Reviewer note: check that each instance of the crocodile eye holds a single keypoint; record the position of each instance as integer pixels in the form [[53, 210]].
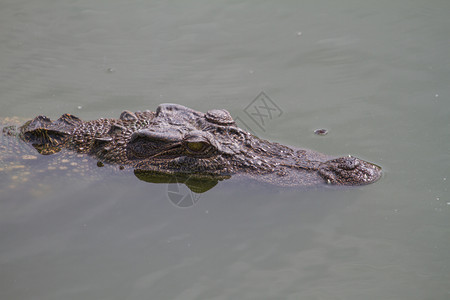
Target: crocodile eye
[[199, 144], [196, 146]]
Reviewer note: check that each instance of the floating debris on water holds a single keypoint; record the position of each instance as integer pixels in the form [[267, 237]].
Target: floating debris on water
[[321, 131]]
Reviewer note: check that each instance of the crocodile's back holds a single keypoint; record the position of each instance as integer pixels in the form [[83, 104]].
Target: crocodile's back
[[23, 169]]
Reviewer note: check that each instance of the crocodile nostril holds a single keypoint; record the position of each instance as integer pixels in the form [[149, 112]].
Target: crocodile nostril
[[349, 171], [348, 163]]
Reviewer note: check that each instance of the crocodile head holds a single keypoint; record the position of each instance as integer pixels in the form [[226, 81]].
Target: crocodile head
[[180, 140]]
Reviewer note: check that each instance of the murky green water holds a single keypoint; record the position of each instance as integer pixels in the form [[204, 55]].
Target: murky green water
[[376, 75]]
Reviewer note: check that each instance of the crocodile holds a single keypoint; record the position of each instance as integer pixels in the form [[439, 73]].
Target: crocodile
[[179, 141]]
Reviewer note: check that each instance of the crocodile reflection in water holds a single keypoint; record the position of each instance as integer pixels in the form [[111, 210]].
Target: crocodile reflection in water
[[202, 147]]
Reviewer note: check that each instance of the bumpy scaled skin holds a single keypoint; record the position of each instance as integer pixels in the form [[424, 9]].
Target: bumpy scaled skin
[[178, 140]]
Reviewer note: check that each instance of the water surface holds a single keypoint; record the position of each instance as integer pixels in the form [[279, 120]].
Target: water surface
[[374, 74]]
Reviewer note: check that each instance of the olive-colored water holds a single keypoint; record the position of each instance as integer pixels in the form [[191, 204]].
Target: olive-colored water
[[374, 73]]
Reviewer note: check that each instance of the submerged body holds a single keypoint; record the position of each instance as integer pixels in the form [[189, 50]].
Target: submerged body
[[176, 140]]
